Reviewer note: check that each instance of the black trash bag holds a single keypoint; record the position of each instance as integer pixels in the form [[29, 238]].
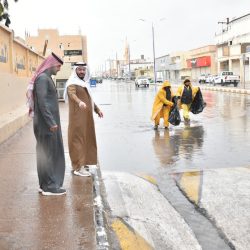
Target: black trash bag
[[175, 99], [198, 103], [174, 116]]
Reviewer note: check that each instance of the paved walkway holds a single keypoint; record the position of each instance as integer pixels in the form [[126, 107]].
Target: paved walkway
[[30, 221]]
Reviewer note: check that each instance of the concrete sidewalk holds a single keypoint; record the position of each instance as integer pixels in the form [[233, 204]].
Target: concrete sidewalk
[[31, 221]]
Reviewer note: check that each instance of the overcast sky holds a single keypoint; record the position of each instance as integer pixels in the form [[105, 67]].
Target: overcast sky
[[187, 24]]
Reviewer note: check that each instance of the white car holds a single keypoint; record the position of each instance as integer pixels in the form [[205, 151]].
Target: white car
[[141, 81], [202, 78], [226, 78], [210, 79]]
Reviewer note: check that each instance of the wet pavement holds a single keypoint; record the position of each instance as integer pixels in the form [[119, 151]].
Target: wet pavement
[[199, 174], [217, 139], [30, 221]]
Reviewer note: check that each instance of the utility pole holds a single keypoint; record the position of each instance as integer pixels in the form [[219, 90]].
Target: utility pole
[[227, 22], [116, 65], [244, 72], [153, 37], [110, 68], [129, 70]]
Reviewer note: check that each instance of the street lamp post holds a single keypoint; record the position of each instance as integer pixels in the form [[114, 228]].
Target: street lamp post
[[129, 70], [153, 37], [244, 73], [153, 41]]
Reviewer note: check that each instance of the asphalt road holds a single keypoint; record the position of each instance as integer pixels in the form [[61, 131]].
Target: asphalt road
[[191, 167]]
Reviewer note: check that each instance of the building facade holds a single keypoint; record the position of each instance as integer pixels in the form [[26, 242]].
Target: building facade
[[177, 66], [17, 65], [201, 61], [137, 67], [162, 67], [72, 48], [233, 47]]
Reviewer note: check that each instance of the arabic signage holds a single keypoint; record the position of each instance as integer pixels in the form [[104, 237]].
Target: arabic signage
[[72, 52], [199, 62]]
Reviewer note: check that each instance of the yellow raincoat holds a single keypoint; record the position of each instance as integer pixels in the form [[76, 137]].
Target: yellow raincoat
[[186, 107], [159, 110]]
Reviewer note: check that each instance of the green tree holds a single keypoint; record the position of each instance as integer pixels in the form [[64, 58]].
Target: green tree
[[4, 7]]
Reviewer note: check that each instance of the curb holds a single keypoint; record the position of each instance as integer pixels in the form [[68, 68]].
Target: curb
[[101, 231], [11, 122], [230, 90]]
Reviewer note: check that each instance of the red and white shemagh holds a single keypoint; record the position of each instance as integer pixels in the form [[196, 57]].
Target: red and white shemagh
[[49, 62]]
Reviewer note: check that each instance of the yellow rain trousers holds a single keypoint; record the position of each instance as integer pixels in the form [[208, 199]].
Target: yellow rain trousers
[[159, 109], [186, 107]]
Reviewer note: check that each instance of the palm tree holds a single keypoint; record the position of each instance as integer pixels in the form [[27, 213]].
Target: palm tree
[[4, 6]]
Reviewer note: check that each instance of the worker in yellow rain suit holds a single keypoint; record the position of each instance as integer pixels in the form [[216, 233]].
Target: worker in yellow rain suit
[[162, 105], [186, 93]]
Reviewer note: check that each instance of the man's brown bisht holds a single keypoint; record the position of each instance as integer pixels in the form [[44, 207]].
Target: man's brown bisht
[[81, 129]]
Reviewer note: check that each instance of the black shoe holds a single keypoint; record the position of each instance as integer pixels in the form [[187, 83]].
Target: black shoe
[[186, 121], [58, 191], [155, 127], [86, 167]]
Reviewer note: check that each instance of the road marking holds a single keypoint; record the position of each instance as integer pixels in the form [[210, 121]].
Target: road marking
[[144, 210], [129, 239], [190, 183], [148, 178]]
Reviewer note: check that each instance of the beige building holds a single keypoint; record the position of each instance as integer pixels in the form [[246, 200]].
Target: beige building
[[72, 48], [200, 61], [233, 47], [191, 64], [17, 65]]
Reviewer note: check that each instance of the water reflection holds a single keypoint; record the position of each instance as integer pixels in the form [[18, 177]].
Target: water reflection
[[174, 145]]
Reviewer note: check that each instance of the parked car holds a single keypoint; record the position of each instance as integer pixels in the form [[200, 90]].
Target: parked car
[[159, 80], [98, 79], [226, 78], [141, 81], [204, 78], [210, 79]]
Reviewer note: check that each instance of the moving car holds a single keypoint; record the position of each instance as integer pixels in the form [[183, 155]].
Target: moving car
[[142, 81]]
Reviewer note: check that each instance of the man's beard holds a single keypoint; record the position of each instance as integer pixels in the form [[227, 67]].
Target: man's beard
[[81, 77]]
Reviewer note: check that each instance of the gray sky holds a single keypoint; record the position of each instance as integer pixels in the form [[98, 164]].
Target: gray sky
[[188, 24]]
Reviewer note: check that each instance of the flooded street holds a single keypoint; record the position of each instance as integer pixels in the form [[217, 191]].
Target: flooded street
[[193, 166], [217, 138]]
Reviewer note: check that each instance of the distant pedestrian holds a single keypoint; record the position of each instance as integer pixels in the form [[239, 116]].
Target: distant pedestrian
[[81, 129], [162, 105], [43, 107], [186, 93]]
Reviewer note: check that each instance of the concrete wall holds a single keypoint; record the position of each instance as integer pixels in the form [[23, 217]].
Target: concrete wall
[[17, 64], [235, 50]]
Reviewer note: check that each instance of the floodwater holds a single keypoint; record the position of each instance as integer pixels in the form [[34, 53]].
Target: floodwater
[[217, 138]]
